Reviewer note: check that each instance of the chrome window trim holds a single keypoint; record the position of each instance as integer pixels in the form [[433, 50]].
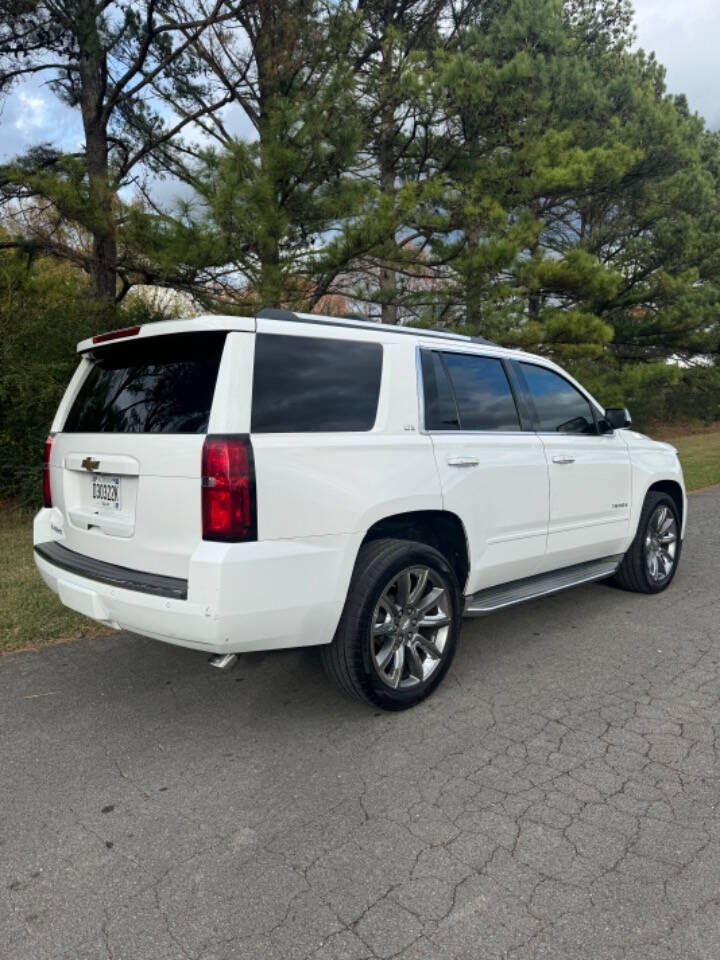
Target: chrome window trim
[[420, 392], [460, 432], [580, 436], [499, 433], [482, 433]]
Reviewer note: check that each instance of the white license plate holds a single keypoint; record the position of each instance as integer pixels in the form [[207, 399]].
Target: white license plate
[[105, 492]]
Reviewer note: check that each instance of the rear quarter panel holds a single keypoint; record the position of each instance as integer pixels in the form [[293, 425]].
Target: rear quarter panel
[[314, 484]]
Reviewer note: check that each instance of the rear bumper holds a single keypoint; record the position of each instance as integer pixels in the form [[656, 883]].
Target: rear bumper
[[237, 598], [97, 570]]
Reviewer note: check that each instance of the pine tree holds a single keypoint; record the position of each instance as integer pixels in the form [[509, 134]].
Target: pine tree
[[129, 71], [276, 202], [397, 47]]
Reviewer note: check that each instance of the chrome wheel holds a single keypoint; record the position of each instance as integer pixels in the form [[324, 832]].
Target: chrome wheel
[[661, 544], [410, 627]]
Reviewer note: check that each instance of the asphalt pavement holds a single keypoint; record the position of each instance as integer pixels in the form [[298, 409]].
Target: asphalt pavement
[[557, 798]]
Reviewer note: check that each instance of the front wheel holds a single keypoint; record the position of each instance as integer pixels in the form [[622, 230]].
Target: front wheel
[[650, 564], [399, 629]]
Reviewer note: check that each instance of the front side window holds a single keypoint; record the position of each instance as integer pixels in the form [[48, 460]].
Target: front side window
[[482, 392], [314, 385], [560, 407]]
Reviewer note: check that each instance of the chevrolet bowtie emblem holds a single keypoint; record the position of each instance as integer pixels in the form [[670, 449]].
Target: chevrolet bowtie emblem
[[90, 464]]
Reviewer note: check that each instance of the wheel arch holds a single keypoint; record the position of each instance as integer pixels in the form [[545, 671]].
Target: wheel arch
[[675, 491], [441, 529]]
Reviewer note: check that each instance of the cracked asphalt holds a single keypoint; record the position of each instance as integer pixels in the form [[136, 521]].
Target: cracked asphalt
[[557, 798]]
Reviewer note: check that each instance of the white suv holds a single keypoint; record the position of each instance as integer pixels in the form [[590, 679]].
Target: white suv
[[233, 484]]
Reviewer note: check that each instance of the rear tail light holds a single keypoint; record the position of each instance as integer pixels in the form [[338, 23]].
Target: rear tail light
[[47, 493], [228, 489]]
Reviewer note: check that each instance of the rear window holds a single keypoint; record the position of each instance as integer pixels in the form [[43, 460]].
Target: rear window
[[439, 401], [159, 384], [314, 385], [483, 394]]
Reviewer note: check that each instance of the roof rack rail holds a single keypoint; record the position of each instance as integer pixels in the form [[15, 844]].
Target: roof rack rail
[[489, 343], [275, 313], [355, 321]]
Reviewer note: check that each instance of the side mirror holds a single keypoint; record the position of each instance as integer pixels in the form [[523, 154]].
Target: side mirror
[[618, 417]]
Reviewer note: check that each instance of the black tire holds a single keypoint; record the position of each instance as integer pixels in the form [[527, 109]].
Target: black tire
[[350, 661], [633, 573]]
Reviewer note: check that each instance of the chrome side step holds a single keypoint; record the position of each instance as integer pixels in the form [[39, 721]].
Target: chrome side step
[[529, 588]]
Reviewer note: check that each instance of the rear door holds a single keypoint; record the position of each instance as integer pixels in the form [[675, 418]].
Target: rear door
[[125, 468], [493, 473], [589, 471]]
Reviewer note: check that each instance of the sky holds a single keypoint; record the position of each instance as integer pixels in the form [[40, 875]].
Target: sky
[[684, 35]]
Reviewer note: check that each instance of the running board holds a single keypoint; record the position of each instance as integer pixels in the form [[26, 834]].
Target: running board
[[529, 588]]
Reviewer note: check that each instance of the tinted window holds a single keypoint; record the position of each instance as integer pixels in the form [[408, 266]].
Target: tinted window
[[438, 399], [560, 407], [482, 391], [161, 384], [308, 384]]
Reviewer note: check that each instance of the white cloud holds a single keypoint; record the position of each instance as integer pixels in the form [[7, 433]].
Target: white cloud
[[31, 113], [685, 39]]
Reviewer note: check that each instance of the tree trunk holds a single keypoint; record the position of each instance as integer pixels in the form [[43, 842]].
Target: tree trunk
[[270, 48], [388, 276], [474, 283], [474, 304], [534, 305], [103, 270], [270, 279]]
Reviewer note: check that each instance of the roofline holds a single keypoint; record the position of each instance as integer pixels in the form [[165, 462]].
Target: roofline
[[249, 324]]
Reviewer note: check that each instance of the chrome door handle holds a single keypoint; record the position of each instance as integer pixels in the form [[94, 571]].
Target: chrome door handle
[[463, 462], [563, 459]]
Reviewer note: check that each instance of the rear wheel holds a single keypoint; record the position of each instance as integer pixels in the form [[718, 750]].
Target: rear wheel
[[650, 564], [398, 632]]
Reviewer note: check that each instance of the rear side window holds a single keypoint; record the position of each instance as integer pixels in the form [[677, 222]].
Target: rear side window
[[314, 385], [560, 407], [439, 401], [161, 384], [484, 398]]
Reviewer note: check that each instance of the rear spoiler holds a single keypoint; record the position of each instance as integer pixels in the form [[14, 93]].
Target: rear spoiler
[[203, 324]]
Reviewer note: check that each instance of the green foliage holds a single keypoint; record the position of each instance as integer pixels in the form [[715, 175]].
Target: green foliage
[[275, 207], [134, 76], [45, 309], [654, 392], [513, 168]]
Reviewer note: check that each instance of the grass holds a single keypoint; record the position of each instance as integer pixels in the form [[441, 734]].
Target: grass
[[699, 451], [31, 615]]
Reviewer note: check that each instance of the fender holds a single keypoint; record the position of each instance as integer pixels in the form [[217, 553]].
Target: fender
[[652, 462]]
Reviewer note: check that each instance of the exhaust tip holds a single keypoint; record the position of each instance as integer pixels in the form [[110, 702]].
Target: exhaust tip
[[223, 661]]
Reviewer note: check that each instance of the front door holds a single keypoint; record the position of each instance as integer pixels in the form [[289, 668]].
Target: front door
[[589, 472]]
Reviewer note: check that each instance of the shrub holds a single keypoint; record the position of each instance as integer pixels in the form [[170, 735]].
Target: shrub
[[45, 309]]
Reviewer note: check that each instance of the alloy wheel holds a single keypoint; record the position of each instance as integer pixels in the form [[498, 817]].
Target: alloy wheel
[[661, 544], [410, 627]]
